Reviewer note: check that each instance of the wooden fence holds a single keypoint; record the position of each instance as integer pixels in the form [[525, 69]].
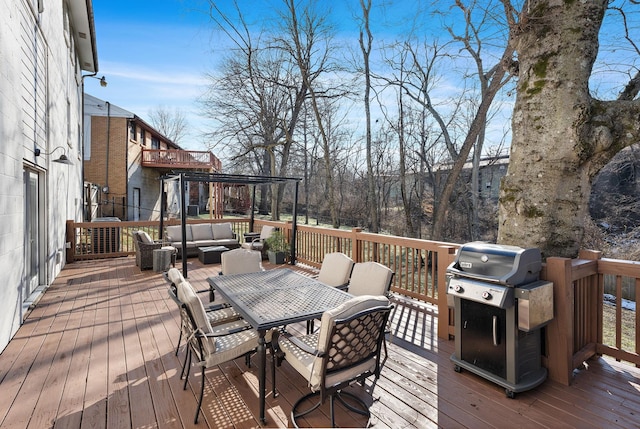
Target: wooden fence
[[576, 333]]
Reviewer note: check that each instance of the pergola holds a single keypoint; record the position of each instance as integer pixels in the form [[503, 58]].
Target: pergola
[[183, 177]]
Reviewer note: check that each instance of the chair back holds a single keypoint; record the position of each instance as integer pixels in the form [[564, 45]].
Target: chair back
[[266, 232], [240, 261], [349, 341], [370, 278], [195, 322], [336, 269], [174, 276]]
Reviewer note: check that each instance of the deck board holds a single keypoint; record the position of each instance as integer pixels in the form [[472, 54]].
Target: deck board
[[98, 350]]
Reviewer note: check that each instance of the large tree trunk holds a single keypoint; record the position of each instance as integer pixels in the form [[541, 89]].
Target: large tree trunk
[[561, 136]]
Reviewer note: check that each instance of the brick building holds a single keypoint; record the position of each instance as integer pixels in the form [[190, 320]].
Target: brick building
[[125, 156]]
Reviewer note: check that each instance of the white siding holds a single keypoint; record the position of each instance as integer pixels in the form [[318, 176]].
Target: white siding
[[40, 105]]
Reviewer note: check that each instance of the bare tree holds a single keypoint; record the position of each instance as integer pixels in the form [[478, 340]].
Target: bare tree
[[172, 124], [310, 47], [366, 42], [562, 136], [256, 102]]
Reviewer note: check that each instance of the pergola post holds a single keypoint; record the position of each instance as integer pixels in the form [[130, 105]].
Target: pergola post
[[163, 207], [253, 209], [183, 223], [294, 227]]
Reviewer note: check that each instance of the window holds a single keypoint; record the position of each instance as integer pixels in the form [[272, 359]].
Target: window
[[132, 131], [155, 142], [143, 137]]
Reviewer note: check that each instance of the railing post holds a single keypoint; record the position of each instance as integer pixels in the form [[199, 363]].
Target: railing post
[[594, 255], [357, 245], [70, 238], [445, 256], [559, 332]]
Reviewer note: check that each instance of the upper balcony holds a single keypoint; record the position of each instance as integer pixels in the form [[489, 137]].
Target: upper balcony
[[177, 159]]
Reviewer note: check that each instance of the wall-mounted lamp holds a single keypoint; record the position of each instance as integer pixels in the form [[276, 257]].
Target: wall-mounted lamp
[[62, 160], [103, 80]]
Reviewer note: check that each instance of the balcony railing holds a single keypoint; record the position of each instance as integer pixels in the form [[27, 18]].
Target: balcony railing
[[573, 336], [180, 159]]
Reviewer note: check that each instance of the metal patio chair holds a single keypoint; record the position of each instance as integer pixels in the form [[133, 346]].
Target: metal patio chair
[[258, 243], [208, 346], [346, 349], [370, 278], [217, 314], [335, 271]]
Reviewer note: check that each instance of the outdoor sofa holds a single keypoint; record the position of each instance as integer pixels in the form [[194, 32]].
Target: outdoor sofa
[[201, 235]]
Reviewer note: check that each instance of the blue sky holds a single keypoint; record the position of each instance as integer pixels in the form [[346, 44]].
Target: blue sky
[[155, 53], [152, 54]]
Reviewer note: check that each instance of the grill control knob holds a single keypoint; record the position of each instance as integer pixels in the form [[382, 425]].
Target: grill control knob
[[458, 288], [487, 295]]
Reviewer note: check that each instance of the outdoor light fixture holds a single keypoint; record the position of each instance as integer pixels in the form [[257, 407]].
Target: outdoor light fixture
[[62, 160], [103, 80]]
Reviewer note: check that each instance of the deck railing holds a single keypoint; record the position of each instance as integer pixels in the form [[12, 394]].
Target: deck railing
[[579, 329], [577, 332], [419, 266], [182, 159], [99, 240]]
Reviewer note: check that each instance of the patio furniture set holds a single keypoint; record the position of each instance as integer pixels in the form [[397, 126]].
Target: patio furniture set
[[207, 241], [257, 307]]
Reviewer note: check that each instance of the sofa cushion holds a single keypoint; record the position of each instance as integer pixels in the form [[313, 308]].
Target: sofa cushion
[[202, 231], [222, 231], [174, 233], [144, 237]]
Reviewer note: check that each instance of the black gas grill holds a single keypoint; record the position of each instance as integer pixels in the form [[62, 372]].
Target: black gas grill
[[500, 305]]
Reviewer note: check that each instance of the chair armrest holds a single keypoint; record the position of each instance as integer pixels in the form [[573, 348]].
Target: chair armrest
[[304, 347], [149, 246], [229, 332], [214, 307]]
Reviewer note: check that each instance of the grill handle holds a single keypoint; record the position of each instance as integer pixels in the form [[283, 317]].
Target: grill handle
[[496, 340]]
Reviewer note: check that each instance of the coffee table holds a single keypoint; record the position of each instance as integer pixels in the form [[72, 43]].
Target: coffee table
[[211, 255]]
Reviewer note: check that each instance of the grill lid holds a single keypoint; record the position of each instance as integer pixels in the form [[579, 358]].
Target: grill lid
[[507, 265]]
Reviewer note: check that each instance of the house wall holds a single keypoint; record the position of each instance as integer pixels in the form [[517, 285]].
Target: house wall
[[107, 165], [118, 165], [40, 106], [145, 179]]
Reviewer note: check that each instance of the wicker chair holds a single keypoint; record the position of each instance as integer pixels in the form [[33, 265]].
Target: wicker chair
[[346, 349], [144, 250]]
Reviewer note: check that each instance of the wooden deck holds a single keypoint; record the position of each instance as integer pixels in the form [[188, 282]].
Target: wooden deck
[[98, 351]]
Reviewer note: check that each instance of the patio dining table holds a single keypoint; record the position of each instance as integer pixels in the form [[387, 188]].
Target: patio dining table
[[272, 299]]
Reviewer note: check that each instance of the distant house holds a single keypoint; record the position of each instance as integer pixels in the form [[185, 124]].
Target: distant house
[[125, 157], [490, 172], [44, 49]]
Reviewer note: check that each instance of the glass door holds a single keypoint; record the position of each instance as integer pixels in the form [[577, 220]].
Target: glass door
[[136, 204], [32, 231]]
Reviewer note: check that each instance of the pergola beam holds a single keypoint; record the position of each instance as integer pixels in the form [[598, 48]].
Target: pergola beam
[[189, 176]]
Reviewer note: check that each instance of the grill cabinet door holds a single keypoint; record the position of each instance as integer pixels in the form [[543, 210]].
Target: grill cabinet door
[[483, 341]]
